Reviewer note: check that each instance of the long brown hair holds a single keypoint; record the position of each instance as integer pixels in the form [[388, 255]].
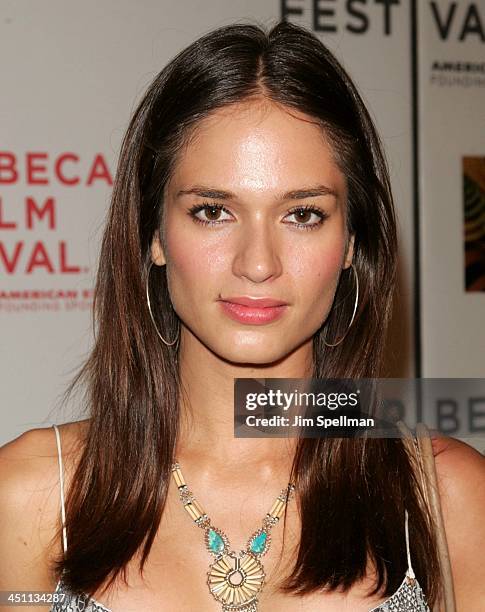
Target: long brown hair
[[352, 492]]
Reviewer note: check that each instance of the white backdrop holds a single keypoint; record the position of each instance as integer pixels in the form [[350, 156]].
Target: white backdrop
[[451, 127], [74, 74], [452, 122]]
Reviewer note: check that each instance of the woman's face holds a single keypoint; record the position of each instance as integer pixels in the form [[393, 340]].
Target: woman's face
[[254, 238]]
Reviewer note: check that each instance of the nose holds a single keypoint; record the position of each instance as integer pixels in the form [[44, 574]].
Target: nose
[[257, 258]]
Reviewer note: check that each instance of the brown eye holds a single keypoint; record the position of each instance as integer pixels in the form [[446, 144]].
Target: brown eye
[[212, 213], [303, 215], [209, 214]]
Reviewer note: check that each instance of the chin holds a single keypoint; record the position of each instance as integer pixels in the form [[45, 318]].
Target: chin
[[256, 353]]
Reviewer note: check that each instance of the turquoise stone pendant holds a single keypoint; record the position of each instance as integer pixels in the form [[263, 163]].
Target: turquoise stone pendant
[[259, 542], [216, 541]]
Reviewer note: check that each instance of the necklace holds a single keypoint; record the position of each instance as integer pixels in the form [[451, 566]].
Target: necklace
[[234, 579]]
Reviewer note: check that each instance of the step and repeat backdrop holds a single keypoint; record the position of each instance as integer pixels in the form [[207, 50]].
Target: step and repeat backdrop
[[73, 73]]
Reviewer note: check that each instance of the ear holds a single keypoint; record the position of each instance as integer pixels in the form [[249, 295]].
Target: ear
[[158, 256], [350, 252]]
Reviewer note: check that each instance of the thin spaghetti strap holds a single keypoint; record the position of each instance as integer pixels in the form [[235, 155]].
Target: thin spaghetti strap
[[61, 479], [421, 453], [410, 571]]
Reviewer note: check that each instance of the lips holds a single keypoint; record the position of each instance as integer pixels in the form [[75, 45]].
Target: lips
[[253, 311], [254, 302]]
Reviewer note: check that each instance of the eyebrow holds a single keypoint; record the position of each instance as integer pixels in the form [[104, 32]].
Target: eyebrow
[[296, 194]]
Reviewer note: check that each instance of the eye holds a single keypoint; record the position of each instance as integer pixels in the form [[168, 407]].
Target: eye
[[304, 213], [210, 210], [212, 213]]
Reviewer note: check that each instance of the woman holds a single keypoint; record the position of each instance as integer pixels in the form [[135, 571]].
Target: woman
[[251, 170]]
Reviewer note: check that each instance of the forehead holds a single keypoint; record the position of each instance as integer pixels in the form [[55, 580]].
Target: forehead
[[258, 145]]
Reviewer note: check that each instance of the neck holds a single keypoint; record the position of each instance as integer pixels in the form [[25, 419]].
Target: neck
[[207, 409]]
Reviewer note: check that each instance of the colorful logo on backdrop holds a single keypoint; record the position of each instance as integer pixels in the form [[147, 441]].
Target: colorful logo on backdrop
[[43, 244], [474, 219]]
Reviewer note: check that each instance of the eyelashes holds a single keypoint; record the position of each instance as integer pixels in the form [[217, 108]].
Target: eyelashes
[[214, 208]]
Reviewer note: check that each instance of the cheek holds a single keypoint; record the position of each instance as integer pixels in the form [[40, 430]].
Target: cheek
[[194, 264], [315, 274], [318, 266], [186, 270]]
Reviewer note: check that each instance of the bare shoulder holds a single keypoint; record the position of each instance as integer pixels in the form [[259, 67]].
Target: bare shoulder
[[33, 454], [461, 480], [460, 468], [41, 440], [30, 503]]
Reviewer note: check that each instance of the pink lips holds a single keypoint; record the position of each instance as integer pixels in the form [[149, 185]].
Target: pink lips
[[253, 311]]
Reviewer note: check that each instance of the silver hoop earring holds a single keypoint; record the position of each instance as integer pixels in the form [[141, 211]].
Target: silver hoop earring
[[355, 308], [151, 314]]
